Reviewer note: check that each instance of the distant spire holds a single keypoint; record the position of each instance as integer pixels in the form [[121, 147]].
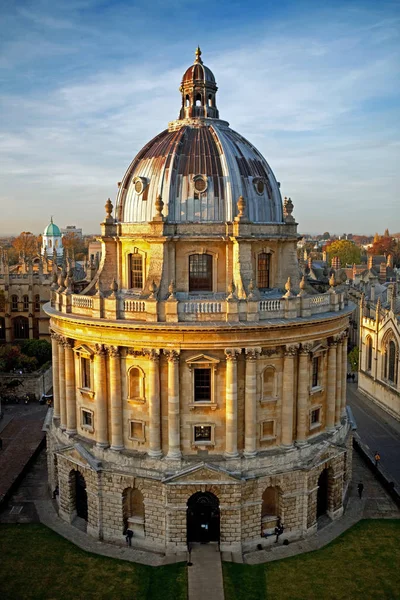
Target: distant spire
[[198, 55]]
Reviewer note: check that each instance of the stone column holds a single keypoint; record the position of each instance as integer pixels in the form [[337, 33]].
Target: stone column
[[117, 440], [344, 375], [288, 395], [61, 373], [100, 394], [331, 387], [154, 404], [56, 376], [303, 394], [70, 399], [250, 415], [339, 361], [174, 435], [231, 403]]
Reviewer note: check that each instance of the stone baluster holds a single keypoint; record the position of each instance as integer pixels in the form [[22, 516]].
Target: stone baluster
[[344, 375], [117, 440], [303, 394], [70, 399], [331, 386], [174, 437], [100, 393], [231, 403], [154, 404], [61, 366], [56, 376], [288, 395], [250, 435], [339, 362]]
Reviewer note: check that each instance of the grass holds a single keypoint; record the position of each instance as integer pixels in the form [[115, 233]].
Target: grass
[[36, 563], [363, 563]]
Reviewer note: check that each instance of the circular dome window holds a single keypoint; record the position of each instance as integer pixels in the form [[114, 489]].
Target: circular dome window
[[200, 184], [259, 185], [140, 184]]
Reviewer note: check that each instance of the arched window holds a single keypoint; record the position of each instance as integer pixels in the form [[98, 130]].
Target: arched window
[[37, 302], [369, 353], [392, 362], [198, 100], [133, 511], [26, 302], [268, 388], [270, 502], [14, 302], [263, 265], [21, 328], [136, 271], [136, 384], [200, 273], [209, 100], [187, 103], [49, 243]]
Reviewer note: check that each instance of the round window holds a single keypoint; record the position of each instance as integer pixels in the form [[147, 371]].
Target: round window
[[259, 184], [200, 185], [138, 186]]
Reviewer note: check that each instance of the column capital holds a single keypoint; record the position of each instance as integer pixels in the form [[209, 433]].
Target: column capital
[[100, 350], [152, 353], [252, 353], [305, 348], [232, 353], [334, 341], [172, 355], [67, 342], [291, 349], [113, 351]]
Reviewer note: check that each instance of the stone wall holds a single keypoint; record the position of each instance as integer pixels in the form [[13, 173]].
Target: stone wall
[[39, 382]]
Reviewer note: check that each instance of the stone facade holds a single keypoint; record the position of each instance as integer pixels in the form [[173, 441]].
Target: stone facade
[[199, 391]]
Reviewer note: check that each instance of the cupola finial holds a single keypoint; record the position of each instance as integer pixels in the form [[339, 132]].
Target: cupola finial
[[198, 55]]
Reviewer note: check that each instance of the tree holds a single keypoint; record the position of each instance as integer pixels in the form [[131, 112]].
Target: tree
[[348, 252], [326, 235], [75, 244], [26, 243], [353, 358]]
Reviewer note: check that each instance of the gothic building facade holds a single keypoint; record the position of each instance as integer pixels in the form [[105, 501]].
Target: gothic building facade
[[199, 389]]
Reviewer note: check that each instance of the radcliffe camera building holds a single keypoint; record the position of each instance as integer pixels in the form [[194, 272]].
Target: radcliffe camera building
[[199, 389]]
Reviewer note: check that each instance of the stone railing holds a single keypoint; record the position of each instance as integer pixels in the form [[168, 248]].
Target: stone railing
[[82, 301], [319, 304], [201, 310]]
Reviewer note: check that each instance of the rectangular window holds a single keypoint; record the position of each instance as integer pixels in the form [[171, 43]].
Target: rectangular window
[[26, 302], [136, 271], [37, 302], [315, 416], [263, 271], [315, 369], [202, 433], [200, 273], [267, 430], [202, 385], [85, 367], [14, 303], [136, 431], [87, 419]]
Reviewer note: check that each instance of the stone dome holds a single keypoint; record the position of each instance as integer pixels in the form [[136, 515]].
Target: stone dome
[[199, 166]]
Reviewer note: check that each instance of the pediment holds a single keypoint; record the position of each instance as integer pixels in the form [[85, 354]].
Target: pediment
[[202, 359], [202, 474], [317, 348], [83, 349], [80, 456]]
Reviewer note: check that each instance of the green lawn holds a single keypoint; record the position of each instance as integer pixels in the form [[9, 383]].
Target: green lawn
[[37, 563], [363, 563]]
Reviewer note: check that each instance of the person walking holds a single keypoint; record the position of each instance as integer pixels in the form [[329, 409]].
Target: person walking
[[128, 537], [279, 529], [377, 458], [360, 489]]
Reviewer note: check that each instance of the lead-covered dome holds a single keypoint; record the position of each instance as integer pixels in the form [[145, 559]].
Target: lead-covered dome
[[199, 166]]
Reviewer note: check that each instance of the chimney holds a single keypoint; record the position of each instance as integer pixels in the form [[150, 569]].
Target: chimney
[[370, 261]]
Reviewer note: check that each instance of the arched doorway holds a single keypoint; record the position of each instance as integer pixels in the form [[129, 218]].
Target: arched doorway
[[21, 328], [203, 518], [322, 494], [81, 496]]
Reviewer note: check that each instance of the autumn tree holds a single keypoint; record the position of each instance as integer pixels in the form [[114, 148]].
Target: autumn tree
[[74, 244], [26, 243], [348, 252]]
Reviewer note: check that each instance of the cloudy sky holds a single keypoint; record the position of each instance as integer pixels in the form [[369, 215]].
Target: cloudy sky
[[84, 84]]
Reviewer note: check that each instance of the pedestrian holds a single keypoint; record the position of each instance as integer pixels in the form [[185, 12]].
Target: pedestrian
[[377, 458], [279, 529], [360, 489], [128, 537], [353, 377]]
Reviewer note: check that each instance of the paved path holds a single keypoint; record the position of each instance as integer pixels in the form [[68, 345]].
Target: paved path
[[377, 430], [205, 575]]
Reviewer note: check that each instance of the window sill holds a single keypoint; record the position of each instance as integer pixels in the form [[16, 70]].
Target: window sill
[[212, 405], [200, 444], [315, 426], [269, 400], [87, 428], [86, 392], [136, 400], [316, 390], [268, 438], [135, 439]]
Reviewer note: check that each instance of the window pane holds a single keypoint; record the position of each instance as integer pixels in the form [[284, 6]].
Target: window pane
[[263, 271], [315, 372], [85, 373], [200, 273], [202, 433], [136, 271], [202, 385]]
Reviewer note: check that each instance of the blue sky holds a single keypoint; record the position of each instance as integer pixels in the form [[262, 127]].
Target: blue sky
[[84, 84]]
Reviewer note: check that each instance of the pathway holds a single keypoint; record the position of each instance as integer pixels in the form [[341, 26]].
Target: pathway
[[205, 575]]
